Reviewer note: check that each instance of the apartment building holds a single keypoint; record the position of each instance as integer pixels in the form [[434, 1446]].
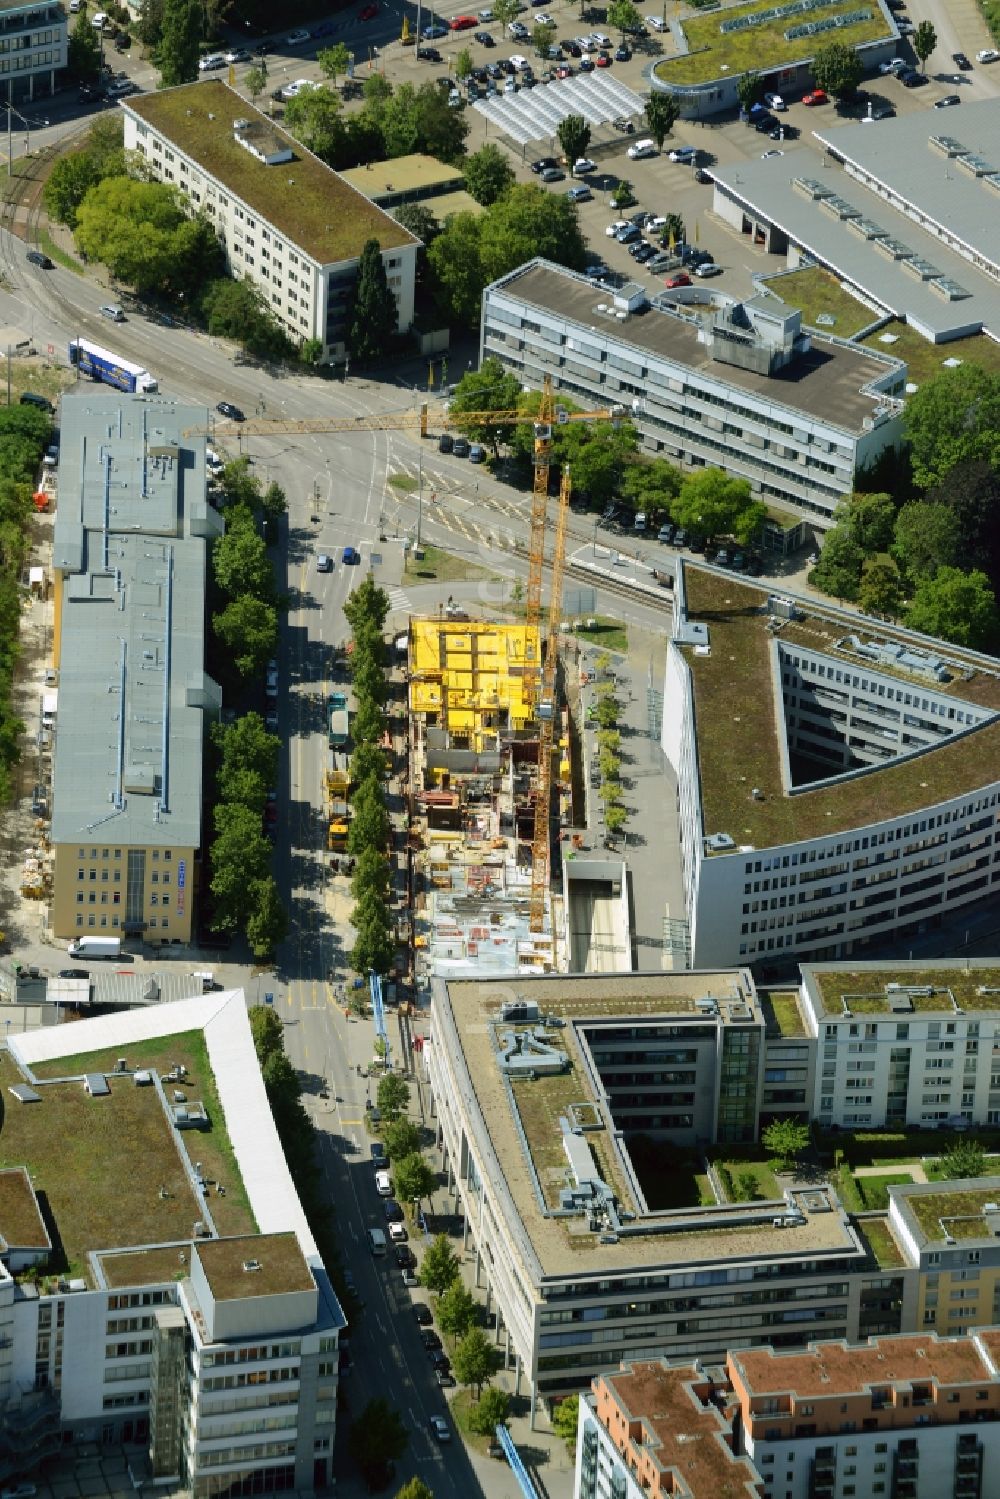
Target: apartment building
[[746, 389], [911, 1417], [539, 1087], [130, 566], [286, 221], [171, 1297], [33, 44], [836, 778]]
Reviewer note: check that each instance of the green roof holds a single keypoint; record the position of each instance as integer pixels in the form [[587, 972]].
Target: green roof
[[958, 1213], [303, 199], [714, 54], [740, 727], [865, 988]]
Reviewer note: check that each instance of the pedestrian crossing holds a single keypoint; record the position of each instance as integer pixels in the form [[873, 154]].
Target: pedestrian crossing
[[399, 601]]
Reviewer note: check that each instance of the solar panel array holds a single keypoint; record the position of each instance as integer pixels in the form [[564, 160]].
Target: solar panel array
[[776, 13], [831, 23], [535, 114]]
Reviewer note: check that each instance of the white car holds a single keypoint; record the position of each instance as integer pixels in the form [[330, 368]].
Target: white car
[[517, 31], [440, 1428], [765, 155], [583, 165], [614, 228], [210, 62], [775, 101], [397, 1233], [485, 15], [291, 90], [544, 19], [988, 54], [519, 61], [641, 149], [894, 65], [598, 39], [655, 23]]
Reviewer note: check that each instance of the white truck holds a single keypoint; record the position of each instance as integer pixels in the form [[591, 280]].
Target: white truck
[[95, 947]]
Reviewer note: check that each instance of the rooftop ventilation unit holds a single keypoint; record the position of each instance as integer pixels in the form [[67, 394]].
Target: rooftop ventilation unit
[[718, 843], [250, 1266]]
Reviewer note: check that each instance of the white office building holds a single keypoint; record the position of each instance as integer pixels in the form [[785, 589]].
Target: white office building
[[33, 44], [286, 221], [748, 389]]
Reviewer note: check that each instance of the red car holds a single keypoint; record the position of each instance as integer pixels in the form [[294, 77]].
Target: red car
[[464, 23], [367, 12], [603, 60], [679, 278], [564, 71], [818, 96]]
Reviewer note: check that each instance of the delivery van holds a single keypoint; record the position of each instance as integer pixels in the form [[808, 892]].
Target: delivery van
[[95, 947]]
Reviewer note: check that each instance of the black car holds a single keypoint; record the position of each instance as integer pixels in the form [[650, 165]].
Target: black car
[[479, 74], [644, 253], [494, 70], [506, 66], [440, 1360], [36, 257], [422, 1314], [74, 973], [122, 41], [764, 124], [226, 408], [913, 79], [393, 1211], [445, 1379], [962, 61], [445, 442], [948, 100], [543, 164], [484, 38], [622, 54], [573, 49], [430, 1340], [701, 175], [428, 54], [404, 1256]]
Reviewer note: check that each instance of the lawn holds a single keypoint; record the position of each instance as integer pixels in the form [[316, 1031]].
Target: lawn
[[883, 1246], [767, 1183], [924, 359], [440, 566], [460, 1409], [893, 1148], [607, 633], [405, 483], [212, 1147], [759, 48], [784, 1011], [814, 291], [874, 1190], [58, 254], [34, 374]]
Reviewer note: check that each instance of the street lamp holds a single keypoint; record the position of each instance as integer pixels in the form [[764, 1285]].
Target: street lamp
[[27, 131]]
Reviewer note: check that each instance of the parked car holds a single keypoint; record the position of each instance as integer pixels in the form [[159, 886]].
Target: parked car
[[775, 101], [324, 563], [422, 1314], [428, 54], [297, 38], [913, 79], [679, 278], [988, 54], [685, 156], [708, 268], [580, 194], [947, 101], [553, 174], [816, 96], [237, 54], [484, 38], [894, 65], [640, 149], [460, 447], [430, 1340], [583, 166], [464, 23], [211, 62]]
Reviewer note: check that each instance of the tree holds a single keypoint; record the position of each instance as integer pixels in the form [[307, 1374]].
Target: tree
[[393, 1097], [370, 820], [881, 586], [623, 16], [565, 1419], [83, 53], [414, 1488], [255, 81], [367, 762], [463, 64], [456, 269], [490, 388], [246, 747], [711, 503], [334, 60], [924, 41], [953, 418], [267, 1031], [374, 948], [240, 855], [401, 1138], [490, 1411], [838, 69], [623, 196], [180, 34], [248, 628], [457, 1310], [413, 1177], [439, 1266], [745, 1187], [368, 606], [70, 180], [838, 571], [130, 226], [376, 1439], [506, 11], [964, 1159], [419, 220], [488, 174], [474, 1359], [662, 112], [574, 137], [374, 316], [273, 502], [971, 492], [529, 221], [749, 87], [240, 561], [542, 38], [871, 520], [314, 115], [149, 25], [267, 919], [785, 1140], [672, 232], [956, 606], [927, 536]]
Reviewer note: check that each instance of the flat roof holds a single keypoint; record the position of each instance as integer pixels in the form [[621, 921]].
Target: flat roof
[[970, 986], [906, 171], [735, 686], [131, 545], [827, 1370], [21, 1222], [402, 174], [949, 1211], [681, 1432], [522, 1124], [305, 200], [711, 53], [825, 383], [257, 1265]]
